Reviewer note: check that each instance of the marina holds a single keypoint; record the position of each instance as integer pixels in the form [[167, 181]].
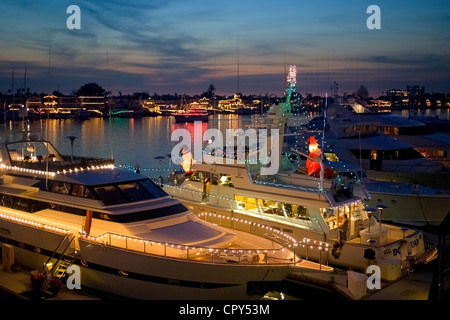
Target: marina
[[150, 166], [208, 231]]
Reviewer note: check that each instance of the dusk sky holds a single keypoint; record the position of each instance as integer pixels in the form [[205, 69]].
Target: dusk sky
[[183, 46]]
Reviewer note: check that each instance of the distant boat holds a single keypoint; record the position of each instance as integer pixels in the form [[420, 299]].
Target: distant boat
[[121, 112], [194, 114], [150, 109], [247, 110]]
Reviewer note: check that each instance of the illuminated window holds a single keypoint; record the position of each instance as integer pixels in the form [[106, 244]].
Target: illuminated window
[[296, 211], [197, 176], [225, 180], [246, 203], [60, 187], [330, 156]]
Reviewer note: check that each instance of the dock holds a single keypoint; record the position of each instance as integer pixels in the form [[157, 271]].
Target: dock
[[414, 286], [17, 285]]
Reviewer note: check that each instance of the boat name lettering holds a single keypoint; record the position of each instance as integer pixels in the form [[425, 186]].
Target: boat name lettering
[[415, 243], [396, 251]]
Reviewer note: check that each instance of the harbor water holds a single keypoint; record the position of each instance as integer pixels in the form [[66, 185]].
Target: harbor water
[[126, 140]]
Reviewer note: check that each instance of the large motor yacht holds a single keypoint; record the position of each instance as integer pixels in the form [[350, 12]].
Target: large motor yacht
[[327, 213], [127, 236], [395, 173]]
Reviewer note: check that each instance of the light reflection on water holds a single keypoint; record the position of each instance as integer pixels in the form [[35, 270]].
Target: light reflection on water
[[443, 114]]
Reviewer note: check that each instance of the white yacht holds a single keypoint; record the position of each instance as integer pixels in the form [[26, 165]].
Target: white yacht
[[394, 172], [295, 204], [309, 209], [127, 236], [392, 147]]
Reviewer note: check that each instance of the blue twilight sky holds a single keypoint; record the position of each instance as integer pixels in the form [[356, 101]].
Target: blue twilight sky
[[182, 46]]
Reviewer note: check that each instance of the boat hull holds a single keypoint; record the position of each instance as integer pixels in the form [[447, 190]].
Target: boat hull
[[136, 275], [348, 254], [411, 208], [152, 277]]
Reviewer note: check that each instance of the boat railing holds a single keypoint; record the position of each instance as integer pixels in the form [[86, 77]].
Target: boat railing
[[395, 236], [19, 218], [67, 165], [278, 256]]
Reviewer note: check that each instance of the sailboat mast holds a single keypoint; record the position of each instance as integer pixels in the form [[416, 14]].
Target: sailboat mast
[[238, 84]]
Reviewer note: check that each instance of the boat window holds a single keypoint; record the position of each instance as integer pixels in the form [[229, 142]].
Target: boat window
[[225, 180], [330, 156], [198, 176], [400, 154], [60, 187], [271, 207], [152, 188], [330, 216], [30, 205], [134, 191], [82, 191], [433, 153], [148, 214], [246, 203], [296, 211], [110, 195]]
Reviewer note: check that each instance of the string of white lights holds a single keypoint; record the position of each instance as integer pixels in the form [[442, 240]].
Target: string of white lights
[[63, 171], [306, 241], [12, 216]]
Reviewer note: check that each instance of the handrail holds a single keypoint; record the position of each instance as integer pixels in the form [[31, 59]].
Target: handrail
[[57, 247], [195, 253], [285, 253], [63, 254]]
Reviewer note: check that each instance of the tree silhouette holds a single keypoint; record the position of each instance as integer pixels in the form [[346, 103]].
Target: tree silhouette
[[210, 92], [362, 93], [91, 89]]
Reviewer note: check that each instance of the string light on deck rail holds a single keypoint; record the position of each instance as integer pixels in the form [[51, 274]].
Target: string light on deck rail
[[15, 217], [107, 238], [26, 170], [305, 242], [51, 173]]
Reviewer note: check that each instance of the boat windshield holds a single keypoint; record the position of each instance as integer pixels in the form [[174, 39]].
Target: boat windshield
[[33, 151], [110, 194], [128, 192]]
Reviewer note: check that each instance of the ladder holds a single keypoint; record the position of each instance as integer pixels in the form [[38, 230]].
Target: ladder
[[64, 260], [61, 270]]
